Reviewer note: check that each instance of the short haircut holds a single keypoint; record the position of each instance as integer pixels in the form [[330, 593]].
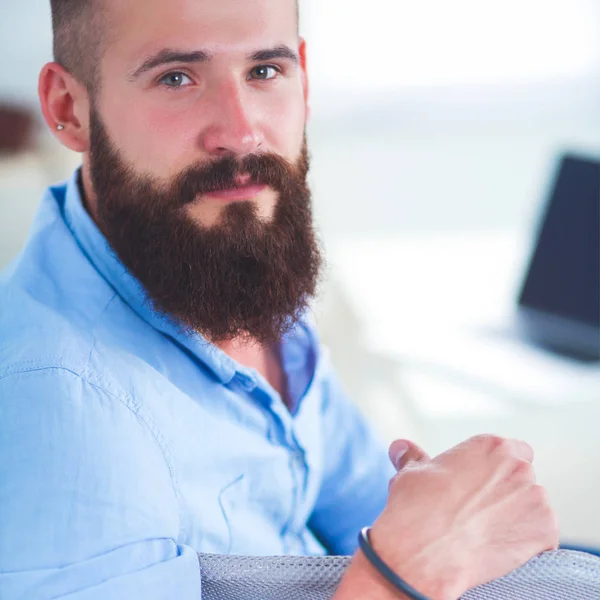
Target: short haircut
[[79, 33]]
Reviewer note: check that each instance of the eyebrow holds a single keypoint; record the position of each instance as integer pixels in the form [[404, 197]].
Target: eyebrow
[[169, 56], [281, 51]]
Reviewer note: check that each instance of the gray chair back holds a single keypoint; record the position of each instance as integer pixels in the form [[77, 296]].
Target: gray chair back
[[559, 575]]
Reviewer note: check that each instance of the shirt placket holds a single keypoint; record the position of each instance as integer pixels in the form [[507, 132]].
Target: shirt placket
[[283, 434]]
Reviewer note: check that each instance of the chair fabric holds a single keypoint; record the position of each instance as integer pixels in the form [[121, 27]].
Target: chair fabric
[[558, 575]]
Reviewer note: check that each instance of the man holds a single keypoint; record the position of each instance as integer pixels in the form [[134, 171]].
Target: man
[[162, 391]]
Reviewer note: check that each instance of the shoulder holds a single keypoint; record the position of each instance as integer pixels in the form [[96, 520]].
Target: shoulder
[[50, 297], [36, 335], [74, 417], [81, 466]]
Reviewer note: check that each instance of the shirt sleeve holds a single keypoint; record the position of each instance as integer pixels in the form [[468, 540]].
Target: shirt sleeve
[[356, 473], [88, 506]]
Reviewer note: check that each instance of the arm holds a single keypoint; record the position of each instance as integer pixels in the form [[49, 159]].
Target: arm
[[356, 473], [88, 508], [353, 493], [445, 525]]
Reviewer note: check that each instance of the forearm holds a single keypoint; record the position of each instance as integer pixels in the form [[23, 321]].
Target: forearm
[[362, 582]]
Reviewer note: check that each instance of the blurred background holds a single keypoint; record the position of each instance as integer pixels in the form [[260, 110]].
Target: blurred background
[[435, 134]]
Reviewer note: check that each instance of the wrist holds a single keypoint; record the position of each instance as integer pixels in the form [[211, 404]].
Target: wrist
[[435, 580], [362, 582]]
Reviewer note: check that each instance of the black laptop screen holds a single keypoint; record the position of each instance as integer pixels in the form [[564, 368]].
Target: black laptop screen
[[564, 272]]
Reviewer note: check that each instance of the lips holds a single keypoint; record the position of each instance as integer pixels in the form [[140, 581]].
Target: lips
[[238, 193]]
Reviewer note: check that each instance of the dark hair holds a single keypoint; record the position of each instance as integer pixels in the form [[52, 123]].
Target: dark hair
[[77, 37], [79, 31]]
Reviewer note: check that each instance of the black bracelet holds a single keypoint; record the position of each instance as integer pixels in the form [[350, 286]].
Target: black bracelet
[[384, 570]]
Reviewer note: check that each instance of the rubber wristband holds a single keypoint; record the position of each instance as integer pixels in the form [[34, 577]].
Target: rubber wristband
[[384, 570]]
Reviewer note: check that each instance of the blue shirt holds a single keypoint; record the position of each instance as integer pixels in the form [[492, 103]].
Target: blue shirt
[[127, 447]]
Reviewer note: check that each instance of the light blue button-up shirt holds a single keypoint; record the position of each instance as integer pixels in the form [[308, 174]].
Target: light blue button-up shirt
[[126, 447]]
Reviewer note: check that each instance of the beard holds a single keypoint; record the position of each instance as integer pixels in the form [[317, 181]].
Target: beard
[[242, 277]]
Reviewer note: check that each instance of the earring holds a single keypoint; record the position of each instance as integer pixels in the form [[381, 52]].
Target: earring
[[60, 127]]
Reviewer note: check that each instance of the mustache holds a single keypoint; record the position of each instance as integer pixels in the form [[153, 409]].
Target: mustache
[[257, 169]]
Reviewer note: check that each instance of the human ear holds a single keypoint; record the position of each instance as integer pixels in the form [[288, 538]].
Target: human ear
[[65, 106]]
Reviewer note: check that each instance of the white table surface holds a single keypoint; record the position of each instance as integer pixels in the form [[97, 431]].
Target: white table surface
[[443, 306]]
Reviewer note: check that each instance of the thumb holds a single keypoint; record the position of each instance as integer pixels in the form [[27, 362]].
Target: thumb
[[403, 451]]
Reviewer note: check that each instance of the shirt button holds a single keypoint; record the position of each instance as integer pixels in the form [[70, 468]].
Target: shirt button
[[247, 383], [299, 458]]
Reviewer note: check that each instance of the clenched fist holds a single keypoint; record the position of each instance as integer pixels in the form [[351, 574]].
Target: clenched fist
[[470, 515], [466, 517]]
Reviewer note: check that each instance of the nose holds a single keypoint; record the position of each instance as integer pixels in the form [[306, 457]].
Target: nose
[[233, 128]]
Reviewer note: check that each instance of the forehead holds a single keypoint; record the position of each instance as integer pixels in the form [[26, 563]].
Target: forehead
[[138, 27]]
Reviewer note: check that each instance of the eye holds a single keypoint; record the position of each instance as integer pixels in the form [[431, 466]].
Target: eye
[[265, 72], [175, 80]]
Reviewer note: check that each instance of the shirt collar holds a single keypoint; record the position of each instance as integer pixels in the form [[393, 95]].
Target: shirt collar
[[98, 251]]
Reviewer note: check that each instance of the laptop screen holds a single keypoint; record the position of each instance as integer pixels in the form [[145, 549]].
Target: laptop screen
[[563, 278]]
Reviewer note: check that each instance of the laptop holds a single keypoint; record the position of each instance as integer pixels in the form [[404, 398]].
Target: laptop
[[559, 301], [470, 318], [547, 350]]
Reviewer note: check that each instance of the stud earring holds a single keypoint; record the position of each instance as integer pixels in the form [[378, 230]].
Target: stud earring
[[60, 127]]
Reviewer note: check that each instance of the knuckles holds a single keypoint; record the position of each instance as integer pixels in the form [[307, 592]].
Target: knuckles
[[522, 471], [490, 443], [539, 495], [500, 447]]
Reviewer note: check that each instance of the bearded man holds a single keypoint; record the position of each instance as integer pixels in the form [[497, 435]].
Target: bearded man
[[162, 390]]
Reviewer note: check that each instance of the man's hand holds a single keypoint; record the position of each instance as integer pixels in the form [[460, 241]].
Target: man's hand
[[470, 515]]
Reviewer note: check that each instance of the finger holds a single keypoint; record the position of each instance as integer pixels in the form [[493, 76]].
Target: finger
[[403, 451], [517, 448], [522, 450]]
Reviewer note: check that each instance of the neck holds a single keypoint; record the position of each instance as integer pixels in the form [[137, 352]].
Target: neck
[[239, 344], [266, 360]]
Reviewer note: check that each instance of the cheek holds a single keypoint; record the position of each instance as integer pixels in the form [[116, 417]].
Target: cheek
[[154, 140], [284, 127]]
